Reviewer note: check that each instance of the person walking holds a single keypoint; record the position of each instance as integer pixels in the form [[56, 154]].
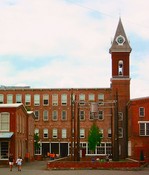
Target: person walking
[[11, 161], [19, 163]]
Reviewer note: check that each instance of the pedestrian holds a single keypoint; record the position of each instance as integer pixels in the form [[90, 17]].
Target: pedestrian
[[19, 163], [11, 161]]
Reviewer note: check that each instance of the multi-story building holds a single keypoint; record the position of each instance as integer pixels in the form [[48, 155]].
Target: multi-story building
[[61, 113], [16, 132], [138, 129]]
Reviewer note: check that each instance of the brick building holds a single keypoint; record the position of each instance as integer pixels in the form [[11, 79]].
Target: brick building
[[62, 116], [138, 128], [16, 132]]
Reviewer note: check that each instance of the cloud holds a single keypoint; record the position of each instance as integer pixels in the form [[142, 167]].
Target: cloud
[[66, 43]]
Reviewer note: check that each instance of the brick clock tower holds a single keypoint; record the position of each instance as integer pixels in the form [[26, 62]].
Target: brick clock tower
[[120, 83]]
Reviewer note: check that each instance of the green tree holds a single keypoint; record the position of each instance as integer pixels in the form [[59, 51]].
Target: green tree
[[94, 137], [36, 141]]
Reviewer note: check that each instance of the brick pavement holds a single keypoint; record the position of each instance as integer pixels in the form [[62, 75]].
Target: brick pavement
[[39, 168]]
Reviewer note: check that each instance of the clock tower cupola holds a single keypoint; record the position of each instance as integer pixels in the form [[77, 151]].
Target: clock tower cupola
[[120, 85]]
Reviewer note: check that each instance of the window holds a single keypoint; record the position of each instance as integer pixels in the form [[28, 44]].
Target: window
[[45, 133], [54, 99], [64, 115], [45, 99], [120, 132], [91, 115], [27, 100], [100, 99], [36, 131], [101, 132], [120, 116], [64, 133], [100, 115], [1, 98], [54, 133], [82, 133], [4, 121], [37, 115], [91, 97], [4, 150], [101, 148], [64, 99], [36, 100], [45, 115], [109, 133], [144, 129], [9, 98], [18, 98], [82, 115], [108, 148], [82, 99], [54, 115], [141, 112], [120, 67]]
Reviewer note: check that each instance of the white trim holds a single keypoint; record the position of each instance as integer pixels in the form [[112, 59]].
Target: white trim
[[143, 121]]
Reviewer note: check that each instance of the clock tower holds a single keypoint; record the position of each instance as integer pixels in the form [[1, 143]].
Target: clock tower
[[120, 84]]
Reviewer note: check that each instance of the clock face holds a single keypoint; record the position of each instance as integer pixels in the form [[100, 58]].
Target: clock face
[[120, 40]]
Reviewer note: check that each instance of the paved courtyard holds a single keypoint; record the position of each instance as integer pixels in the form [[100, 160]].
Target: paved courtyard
[[39, 168]]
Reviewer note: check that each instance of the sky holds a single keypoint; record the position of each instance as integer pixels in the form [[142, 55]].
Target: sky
[[65, 43]]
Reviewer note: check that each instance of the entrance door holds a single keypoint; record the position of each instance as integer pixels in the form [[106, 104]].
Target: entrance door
[[45, 149], [55, 148], [64, 149]]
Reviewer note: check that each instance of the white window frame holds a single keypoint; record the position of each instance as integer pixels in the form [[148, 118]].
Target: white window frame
[[81, 99], [109, 133], [64, 133], [45, 133], [18, 98], [64, 99], [101, 132], [141, 111], [82, 133], [27, 99], [9, 98], [100, 115], [45, 115], [45, 99], [54, 99], [82, 115], [100, 99], [145, 130], [91, 97], [1, 98], [5, 121], [36, 131], [54, 115], [36, 99], [54, 133], [37, 116], [64, 115]]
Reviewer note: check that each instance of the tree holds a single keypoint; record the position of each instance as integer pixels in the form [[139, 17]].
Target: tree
[[94, 137], [36, 141]]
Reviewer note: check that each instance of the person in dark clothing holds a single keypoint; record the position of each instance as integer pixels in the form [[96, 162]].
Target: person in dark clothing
[[11, 161]]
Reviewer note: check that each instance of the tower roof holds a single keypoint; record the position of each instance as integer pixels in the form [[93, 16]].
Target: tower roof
[[120, 47]]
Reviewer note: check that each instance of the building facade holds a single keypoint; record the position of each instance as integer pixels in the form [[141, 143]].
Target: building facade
[[16, 132], [63, 116], [138, 129]]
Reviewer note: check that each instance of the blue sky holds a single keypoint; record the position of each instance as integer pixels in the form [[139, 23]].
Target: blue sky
[[65, 43]]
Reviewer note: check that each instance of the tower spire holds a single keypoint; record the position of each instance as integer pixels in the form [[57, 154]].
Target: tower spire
[[120, 42]]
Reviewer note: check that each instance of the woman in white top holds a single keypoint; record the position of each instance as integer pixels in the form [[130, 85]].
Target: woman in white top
[[19, 163]]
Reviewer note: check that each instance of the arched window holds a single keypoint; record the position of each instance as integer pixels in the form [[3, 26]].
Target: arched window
[[120, 67]]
